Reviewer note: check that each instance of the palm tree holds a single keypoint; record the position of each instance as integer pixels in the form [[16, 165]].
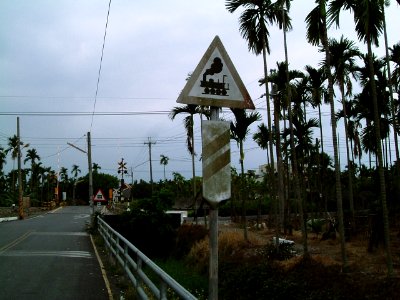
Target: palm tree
[[75, 171], [3, 160], [253, 27], [261, 136], [395, 80], [288, 95], [239, 131], [281, 79], [365, 108], [395, 58], [13, 148], [353, 124], [315, 84], [179, 180], [32, 156], [317, 34], [390, 83], [188, 121], [315, 87], [96, 168], [303, 139], [164, 161], [343, 55], [64, 178], [369, 19]]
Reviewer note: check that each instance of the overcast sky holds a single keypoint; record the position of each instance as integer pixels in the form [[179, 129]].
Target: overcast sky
[[49, 62]]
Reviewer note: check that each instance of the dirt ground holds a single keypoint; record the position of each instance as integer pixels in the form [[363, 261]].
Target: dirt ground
[[28, 212], [329, 251]]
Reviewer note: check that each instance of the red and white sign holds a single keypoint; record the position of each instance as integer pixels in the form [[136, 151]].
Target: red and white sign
[[99, 197]]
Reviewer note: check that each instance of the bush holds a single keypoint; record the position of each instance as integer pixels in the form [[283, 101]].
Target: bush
[[231, 248], [285, 251], [147, 227], [186, 237]]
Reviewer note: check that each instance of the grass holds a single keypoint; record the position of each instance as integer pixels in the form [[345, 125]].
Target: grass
[[185, 275]]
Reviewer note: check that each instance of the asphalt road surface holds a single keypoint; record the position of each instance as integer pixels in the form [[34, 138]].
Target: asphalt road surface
[[50, 257]]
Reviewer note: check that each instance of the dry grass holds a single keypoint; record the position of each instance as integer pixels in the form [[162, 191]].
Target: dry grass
[[231, 244], [326, 252]]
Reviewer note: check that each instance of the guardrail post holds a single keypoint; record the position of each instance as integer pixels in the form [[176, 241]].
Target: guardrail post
[[125, 256], [116, 247], [139, 268], [163, 290]]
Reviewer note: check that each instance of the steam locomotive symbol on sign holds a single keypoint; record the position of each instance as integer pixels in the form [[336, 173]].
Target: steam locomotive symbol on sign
[[212, 87]]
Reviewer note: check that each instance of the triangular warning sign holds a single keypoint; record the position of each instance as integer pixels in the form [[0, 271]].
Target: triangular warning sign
[[215, 81], [99, 196]]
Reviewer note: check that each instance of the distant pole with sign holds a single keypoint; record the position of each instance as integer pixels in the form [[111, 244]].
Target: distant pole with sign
[[20, 192], [122, 169], [89, 153], [149, 143], [215, 83]]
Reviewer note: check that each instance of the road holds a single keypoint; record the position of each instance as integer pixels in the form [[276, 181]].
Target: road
[[50, 257]]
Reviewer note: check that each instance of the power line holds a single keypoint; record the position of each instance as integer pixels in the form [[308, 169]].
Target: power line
[[19, 97], [79, 114], [101, 61]]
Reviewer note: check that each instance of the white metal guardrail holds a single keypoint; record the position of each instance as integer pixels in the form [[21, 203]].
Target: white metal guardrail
[[134, 262]]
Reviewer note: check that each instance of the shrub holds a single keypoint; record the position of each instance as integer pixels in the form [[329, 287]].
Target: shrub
[[186, 237], [147, 227], [231, 247], [285, 251]]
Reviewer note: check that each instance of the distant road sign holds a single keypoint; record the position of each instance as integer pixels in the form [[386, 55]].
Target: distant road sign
[[99, 197], [215, 81]]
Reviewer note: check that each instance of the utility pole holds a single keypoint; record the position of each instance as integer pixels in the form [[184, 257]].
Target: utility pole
[[20, 199], [89, 153], [149, 143]]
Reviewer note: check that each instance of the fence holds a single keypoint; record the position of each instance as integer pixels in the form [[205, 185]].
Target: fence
[[135, 263]]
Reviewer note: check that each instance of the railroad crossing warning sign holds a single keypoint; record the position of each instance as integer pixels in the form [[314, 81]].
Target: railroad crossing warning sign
[[216, 161], [99, 197], [215, 81]]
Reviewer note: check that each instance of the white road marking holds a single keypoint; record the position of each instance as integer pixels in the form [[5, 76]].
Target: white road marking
[[60, 233], [72, 254]]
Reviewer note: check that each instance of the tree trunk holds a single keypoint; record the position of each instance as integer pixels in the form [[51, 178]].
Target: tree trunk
[[243, 194], [281, 191], [335, 147], [349, 162], [299, 200], [392, 103], [381, 171], [270, 137]]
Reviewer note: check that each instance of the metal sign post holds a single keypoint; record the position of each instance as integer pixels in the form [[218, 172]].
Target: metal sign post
[[215, 83], [216, 183]]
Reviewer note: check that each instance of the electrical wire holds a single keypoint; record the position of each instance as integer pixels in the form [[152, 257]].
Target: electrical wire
[[79, 114], [101, 61]]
